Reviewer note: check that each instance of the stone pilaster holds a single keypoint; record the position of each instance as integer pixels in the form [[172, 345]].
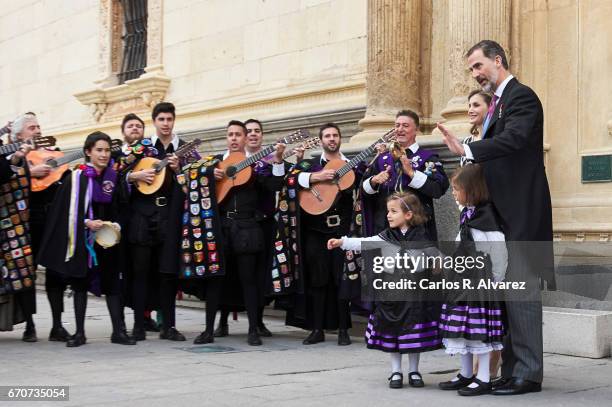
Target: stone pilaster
[[394, 44], [470, 21]]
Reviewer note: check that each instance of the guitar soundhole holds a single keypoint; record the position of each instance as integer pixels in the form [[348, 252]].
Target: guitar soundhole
[[230, 171], [52, 163]]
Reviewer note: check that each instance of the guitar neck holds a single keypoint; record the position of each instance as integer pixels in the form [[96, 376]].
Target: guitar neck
[[342, 171], [9, 148], [180, 153], [76, 155], [254, 158]]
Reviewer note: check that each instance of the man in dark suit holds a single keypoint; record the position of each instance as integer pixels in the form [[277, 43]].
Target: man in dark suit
[[511, 153]]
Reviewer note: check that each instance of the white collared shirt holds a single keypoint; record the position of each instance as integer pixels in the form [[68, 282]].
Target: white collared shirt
[[500, 89], [304, 177], [174, 142]]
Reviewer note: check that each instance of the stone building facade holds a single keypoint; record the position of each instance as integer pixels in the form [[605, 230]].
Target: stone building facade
[[300, 63]]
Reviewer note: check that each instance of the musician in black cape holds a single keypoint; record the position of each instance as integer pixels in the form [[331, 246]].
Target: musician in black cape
[[85, 200], [25, 128], [243, 239], [152, 221], [323, 304]]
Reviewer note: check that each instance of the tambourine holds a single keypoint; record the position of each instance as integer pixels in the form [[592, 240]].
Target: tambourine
[[108, 235]]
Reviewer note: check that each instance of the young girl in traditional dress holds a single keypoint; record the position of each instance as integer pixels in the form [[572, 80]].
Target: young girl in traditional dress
[[82, 204], [399, 327], [472, 324]]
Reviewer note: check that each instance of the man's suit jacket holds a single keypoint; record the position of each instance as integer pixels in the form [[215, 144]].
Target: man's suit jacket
[[512, 156]]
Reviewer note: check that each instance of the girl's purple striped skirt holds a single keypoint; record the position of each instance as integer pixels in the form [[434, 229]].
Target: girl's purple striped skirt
[[404, 338], [472, 322]]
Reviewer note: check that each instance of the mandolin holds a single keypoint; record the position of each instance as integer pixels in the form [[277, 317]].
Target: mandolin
[[322, 195], [237, 166], [160, 167], [58, 161]]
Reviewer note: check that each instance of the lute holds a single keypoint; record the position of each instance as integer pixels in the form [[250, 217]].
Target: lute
[[160, 167]]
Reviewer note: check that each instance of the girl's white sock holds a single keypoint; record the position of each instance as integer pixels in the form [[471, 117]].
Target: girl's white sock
[[467, 369], [396, 364], [413, 362], [483, 369]]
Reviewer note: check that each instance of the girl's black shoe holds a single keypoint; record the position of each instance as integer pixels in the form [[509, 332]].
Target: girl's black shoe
[[396, 383], [482, 388], [456, 384], [416, 381]]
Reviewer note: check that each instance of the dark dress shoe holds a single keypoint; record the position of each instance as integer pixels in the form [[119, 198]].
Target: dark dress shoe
[[482, 388], [171, 334], [263, 331], [456, 384], [76, 340], [122, 338], [204, 337], [516, 385], [343, 338], [59, 335], [150, 325], [396, 383], [221, 331], [416, 381], [500, 381], [29, 335], [315, 336], [139, 334], [253, 338]]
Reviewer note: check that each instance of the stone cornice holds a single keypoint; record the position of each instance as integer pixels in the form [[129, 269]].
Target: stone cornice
[[143, 92]]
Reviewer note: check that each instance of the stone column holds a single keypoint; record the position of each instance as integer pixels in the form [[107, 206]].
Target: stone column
[[470, 21], [393, 65]]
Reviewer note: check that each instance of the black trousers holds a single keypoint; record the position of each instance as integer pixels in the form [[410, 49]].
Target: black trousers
[[323, 270], [145, 269], [245, 266]]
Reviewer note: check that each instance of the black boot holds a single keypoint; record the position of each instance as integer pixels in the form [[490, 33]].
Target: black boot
[[139, 334], [76, 340], [150, 325], [204, 337], [254, 339], [263, 331], [315, 336], [122, 338], [343, 337], [29, 335], [59, 335], [221, 331], [171, 334]]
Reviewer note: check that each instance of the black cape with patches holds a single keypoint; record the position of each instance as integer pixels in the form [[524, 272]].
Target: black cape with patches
[[55, 239]]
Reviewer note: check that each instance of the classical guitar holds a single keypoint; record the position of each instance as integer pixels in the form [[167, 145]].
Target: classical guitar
[[59, 163], [322, 195], [160, 167], [237, 166]]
